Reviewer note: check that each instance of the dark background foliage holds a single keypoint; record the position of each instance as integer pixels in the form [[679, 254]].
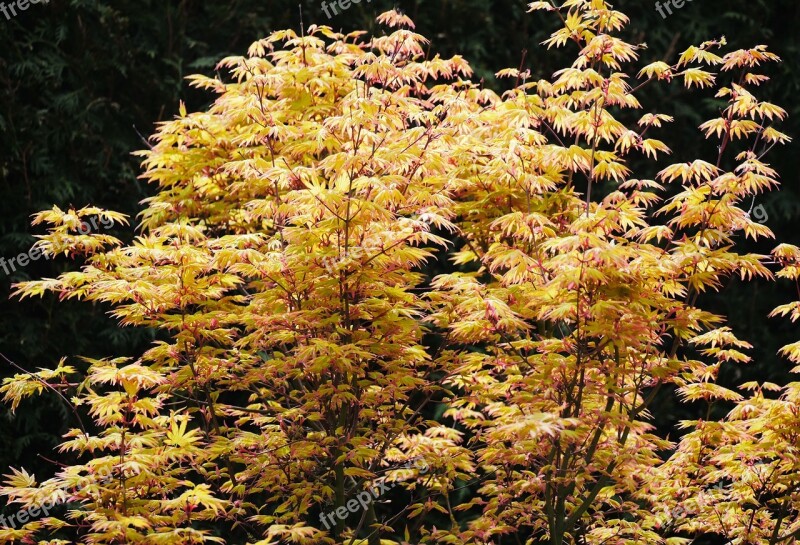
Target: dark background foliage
[[82, 80]]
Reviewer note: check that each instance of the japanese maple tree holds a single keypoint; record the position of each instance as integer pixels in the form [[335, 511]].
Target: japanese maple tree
[[305, 351]]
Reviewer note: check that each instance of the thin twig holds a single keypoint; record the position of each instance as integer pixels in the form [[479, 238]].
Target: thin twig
[[146, 143], [49, 387]]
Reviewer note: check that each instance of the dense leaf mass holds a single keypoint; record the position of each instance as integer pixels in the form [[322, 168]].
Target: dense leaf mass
[[303, 352]]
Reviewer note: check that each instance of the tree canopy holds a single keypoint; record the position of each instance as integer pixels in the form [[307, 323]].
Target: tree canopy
[[386, 303]]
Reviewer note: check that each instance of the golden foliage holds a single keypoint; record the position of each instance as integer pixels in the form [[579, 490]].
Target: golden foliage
[[282, 261]]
